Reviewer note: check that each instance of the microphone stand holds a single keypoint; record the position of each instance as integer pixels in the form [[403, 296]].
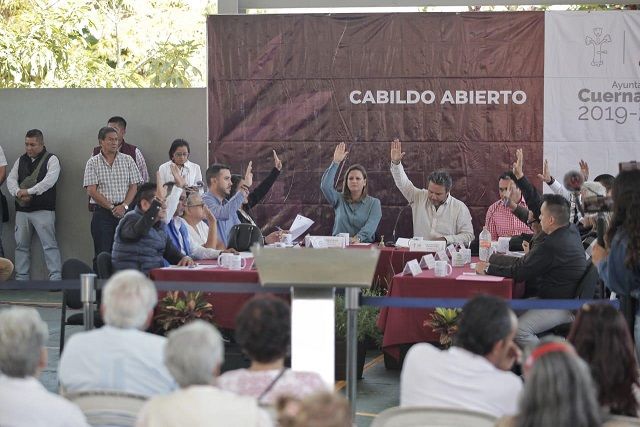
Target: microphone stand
[[395, 225]]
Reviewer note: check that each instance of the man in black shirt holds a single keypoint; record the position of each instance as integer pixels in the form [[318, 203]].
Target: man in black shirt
[[551, 270]]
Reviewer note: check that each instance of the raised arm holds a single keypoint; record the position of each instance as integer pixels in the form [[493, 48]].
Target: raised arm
[[400, 178]]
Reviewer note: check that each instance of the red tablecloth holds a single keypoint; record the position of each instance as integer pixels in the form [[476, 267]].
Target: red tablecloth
[[405, 325], [225, 306]]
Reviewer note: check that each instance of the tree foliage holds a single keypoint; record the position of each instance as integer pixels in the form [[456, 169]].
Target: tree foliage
[[102, 43]]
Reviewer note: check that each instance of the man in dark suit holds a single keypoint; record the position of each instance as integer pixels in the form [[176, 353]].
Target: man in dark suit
[[551, 269]]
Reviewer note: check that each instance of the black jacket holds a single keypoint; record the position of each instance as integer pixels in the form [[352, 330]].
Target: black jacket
[[553, 266]]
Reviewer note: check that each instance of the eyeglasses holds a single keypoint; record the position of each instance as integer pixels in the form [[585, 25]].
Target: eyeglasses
[[532, 221], [195, 206], [181, 154]]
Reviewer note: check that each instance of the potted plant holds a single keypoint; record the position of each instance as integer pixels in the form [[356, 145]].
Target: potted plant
[[444, 321], [178, 308], [368, 335]]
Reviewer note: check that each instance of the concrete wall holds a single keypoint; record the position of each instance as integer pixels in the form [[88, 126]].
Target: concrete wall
[[70, 119]]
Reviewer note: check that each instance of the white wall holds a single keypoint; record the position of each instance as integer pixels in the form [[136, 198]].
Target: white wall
[[70, 119]]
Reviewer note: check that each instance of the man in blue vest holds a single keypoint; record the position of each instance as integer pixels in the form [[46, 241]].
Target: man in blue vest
[[141, 240], [32, 181]]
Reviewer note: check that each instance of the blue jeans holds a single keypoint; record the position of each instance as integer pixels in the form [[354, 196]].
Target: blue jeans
[[103, 230], [43, 222]]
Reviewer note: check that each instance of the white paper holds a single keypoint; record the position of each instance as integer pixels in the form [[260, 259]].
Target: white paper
[[402, 242], [412, 267], [428, 262], [299, 226]]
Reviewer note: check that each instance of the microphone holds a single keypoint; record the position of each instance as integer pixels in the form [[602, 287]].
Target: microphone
[[395, 225]]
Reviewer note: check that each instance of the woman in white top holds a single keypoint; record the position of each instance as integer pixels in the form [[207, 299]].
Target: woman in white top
[[179, 155]]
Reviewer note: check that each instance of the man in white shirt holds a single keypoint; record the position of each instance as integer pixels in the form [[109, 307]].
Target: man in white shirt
[[32, 181], [437, 215], [120, 356], [474, 373], [24, 402]]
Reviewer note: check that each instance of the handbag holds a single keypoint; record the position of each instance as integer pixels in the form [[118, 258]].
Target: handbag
[[243, 236]]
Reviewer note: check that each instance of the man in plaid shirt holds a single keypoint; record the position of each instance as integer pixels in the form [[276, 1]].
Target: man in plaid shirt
[[500, 220], [111, 180]]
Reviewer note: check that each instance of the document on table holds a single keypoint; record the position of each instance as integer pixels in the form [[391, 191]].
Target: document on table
[[479, 277], [299, 226]]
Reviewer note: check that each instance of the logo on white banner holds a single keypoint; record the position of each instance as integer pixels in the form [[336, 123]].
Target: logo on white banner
[[597, 44]]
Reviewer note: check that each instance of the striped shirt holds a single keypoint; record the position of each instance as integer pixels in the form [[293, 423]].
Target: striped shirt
[[111, 181]]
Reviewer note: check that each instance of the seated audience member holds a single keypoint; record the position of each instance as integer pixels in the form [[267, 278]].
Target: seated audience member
[[551, 269], [24, 402], [437, 215], [601, 337], [179, 158], [589, 221], [255, 196], [500, 220], [474, 373], [263, 331], [356, 212], [318, 410], [6, 269], [120, 356], [193, 355], [178, 227], [619, 263], [558, 390], [141, 242], [219, 188]]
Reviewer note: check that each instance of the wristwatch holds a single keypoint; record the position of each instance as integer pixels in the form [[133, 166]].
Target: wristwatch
[[486, 269], [126, 206]]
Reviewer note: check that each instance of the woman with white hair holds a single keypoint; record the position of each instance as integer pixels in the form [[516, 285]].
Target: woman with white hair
[[194, 355], [23, 355]]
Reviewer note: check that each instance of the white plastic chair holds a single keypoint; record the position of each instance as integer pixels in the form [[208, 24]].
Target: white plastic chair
[[418, 416], [108, 408]]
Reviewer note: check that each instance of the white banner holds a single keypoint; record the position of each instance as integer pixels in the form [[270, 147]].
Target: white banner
[[591, 90]]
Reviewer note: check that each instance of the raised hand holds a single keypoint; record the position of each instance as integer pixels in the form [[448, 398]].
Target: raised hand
[[211, 219], [545, 176], [161, 190], [396, 151], [584, 168], [178, 179], [340, 153], [277, 163], [248, 175], [517, 166]]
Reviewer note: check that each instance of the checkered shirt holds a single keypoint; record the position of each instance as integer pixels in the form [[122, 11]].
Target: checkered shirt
[[112, 181], [501, 222]]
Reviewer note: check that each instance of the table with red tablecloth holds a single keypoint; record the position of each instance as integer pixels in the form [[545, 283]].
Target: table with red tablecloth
[[225, 305], [405, 325]]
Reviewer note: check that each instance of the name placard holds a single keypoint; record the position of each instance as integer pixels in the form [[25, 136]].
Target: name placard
[[428, 262], [434, 246], [412, 267], [320, 242]]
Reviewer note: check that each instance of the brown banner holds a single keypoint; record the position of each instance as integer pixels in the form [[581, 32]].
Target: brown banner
[[461, 91]]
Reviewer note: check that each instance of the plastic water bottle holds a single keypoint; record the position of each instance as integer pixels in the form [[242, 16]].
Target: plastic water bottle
[[485, 244]]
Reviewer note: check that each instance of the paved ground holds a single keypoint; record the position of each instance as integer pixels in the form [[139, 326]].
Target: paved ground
[[378, 390]]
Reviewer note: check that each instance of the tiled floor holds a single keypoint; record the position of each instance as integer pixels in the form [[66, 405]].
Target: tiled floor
[[378, 390]]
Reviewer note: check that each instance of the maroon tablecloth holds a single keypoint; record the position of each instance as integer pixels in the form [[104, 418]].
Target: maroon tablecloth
[[225, 306], [405, 325]]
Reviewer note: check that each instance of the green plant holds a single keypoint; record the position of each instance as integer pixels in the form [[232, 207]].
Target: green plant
[[444, 321], [178, 308], [367, 321]]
